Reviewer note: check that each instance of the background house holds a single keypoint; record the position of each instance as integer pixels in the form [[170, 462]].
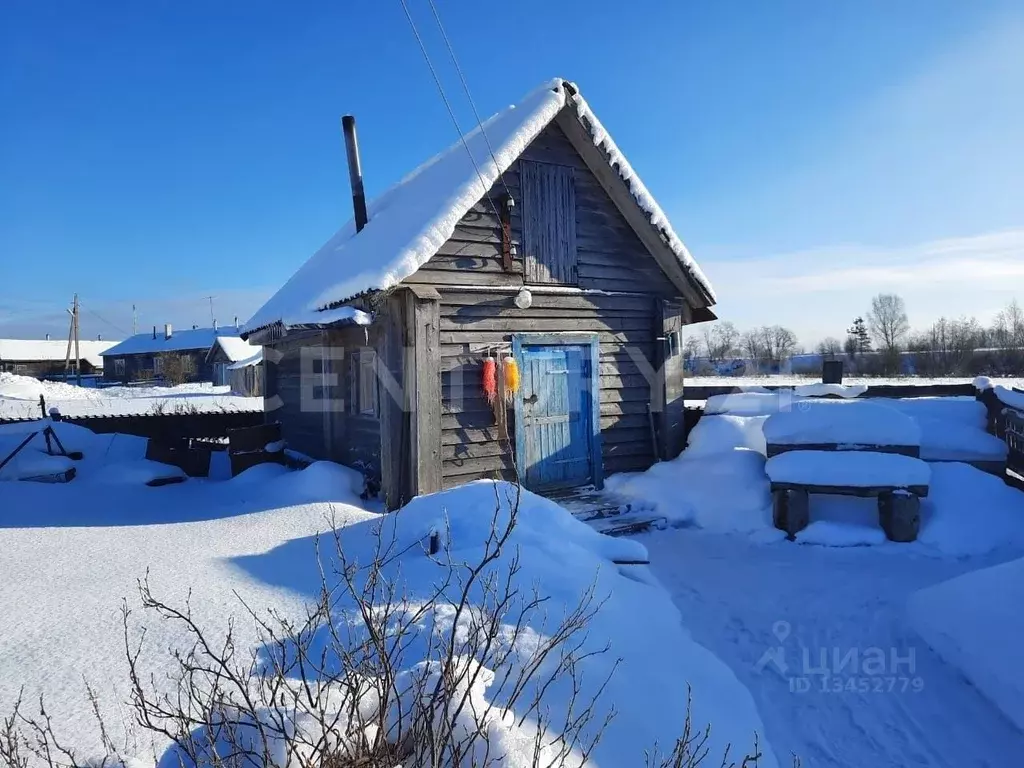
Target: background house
[[197, 354], [44, 358], [537, 242], [246, 376]]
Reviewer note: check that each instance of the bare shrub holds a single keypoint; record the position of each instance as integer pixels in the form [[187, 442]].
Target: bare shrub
[[375, 674]]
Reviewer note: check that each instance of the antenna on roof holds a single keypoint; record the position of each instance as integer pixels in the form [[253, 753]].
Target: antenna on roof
[[135, 320], [355, 170], [211, 298]]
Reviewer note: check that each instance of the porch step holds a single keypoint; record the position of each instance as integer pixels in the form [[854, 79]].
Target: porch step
[[623, 525], [610, 514]]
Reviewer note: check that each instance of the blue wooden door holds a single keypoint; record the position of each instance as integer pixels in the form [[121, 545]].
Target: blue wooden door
[[555, 432]]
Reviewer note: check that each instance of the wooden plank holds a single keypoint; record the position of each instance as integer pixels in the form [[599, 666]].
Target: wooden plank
[[440, 277], [612, 423], [465, 436], [426, 400], [774, 449], [480, 450], [624, 409], [394, 417], [860, 492], [482, 467], [628, 395], [527, 323], [628, 337], [451, 480], [454, 247], [509, 310], [642, 448], [613, 464], [640, 435], [452, 297]]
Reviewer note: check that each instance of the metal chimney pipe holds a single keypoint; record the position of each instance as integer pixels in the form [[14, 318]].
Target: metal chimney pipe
[[355, 170]]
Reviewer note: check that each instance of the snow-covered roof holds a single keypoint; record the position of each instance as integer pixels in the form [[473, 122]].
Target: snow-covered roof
[[236, 348], [414, 218], [248, 362], [180, 341], [33, 350]]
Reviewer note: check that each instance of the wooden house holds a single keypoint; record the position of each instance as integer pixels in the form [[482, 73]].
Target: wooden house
[[531, 237], [45, 358], [198, 354], [245, 377]]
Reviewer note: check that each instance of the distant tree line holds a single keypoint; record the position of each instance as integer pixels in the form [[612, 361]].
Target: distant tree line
[[880, 342], [767, 347]]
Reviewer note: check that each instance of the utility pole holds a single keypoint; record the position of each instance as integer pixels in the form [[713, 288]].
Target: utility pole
[[73, 337], [78, 356]]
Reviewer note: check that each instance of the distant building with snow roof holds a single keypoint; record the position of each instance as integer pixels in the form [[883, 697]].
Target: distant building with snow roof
[[45, 358], [530, 238], [198, 354]]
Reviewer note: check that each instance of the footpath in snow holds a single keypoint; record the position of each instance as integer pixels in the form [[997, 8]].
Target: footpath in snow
[[858, 651]]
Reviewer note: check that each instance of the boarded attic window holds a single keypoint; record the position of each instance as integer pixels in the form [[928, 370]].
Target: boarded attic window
[[549, 222]]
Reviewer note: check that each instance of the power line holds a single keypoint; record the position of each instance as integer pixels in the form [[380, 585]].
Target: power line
[[469, 96], [104, 320], [448, 106]]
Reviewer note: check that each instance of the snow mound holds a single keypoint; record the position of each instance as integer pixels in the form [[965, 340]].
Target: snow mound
[[970, 512], [1010, 397], [952, 428], [565, 558], [717, 483], [31, 463], [835, 421], [721, 434], [137, 472], [975, 623]]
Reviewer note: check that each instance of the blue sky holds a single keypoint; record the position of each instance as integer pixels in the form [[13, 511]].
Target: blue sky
[[809, 153]]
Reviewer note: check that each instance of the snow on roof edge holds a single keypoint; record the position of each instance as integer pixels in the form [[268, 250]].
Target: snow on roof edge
[[644, 199], [391, 248]]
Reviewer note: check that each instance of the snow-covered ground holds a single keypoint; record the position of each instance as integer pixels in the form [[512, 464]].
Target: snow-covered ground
[[70, 553], [975, 622], [19, 399], [772, 612], [820, 634], [843, 648]]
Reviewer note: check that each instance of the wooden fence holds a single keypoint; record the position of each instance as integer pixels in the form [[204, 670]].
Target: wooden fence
[[167, 427], [873, 390], [1007, 423]]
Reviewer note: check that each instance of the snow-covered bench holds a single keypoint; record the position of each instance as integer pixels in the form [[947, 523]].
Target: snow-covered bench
[[848, 449], [898, 482]]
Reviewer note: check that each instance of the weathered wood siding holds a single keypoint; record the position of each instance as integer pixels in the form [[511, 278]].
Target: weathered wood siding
[[307, 390], [609, 257]]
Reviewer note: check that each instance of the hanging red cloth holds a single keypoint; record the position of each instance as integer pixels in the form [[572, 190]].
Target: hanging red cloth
[[490, 379]]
